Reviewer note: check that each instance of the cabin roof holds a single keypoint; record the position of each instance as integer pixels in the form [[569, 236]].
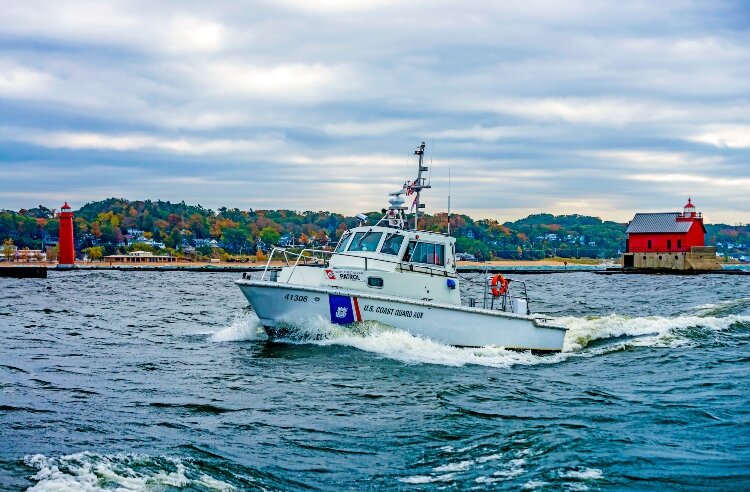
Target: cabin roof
[[435, 236], [658, 223]]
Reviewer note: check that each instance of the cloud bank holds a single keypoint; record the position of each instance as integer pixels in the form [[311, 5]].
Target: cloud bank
[[595, 107]]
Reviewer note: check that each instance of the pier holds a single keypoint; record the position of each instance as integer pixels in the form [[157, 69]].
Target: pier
[[23, 271]]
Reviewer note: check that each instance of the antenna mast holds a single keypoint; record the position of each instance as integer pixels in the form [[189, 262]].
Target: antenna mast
[[419, 184], [449, 201]]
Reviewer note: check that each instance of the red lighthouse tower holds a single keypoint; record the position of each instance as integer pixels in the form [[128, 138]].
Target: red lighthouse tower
[[67, 253]]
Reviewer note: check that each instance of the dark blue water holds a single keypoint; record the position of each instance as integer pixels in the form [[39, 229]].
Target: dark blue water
[[160, 381]]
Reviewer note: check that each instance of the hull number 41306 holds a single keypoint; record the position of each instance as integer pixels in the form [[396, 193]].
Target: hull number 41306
[[295, 298]]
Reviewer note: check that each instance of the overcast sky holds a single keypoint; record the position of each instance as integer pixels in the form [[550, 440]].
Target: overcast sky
[[594, 107]]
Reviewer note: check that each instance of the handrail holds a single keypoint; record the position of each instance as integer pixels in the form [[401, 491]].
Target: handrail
[[430, 270], [507, 296], [286, 257]]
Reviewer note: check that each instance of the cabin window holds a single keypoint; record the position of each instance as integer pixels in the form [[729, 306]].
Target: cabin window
[[427, 253], [679, 244], [669, 244], [342, 244], [365, 241], [376, 282], [392, 244], [649, 244]]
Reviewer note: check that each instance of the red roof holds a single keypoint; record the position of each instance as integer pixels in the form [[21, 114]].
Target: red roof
[[65, 206], [689, 204]]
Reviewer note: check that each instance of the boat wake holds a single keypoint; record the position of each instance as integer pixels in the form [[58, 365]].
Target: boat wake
[[654, 331], [586, 337], [244, 327], [734, 306], [97, 472]]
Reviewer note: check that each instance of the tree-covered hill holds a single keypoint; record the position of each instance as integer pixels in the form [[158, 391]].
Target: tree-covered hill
[[118, 224]]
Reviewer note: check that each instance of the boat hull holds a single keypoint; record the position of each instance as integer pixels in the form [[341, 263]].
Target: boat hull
[[280, 304]]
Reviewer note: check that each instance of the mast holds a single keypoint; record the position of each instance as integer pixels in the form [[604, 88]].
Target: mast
[[419, 184], [449, 201], [395, 216]]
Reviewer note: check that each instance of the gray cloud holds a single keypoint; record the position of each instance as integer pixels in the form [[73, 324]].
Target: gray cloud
[[596, 107]]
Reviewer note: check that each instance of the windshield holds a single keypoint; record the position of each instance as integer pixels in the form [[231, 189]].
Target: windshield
[[365, 241], [392, 244], [342, 244]]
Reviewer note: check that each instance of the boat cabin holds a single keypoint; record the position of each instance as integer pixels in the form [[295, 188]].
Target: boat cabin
[[389, 249]]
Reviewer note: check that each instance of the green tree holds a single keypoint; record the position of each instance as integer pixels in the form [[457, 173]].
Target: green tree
[[174, 239], [235, 239], [269, 236]]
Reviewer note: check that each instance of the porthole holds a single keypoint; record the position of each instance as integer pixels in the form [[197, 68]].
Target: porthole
[[376, 282], [644, 257], [659, 257], [676, 257]]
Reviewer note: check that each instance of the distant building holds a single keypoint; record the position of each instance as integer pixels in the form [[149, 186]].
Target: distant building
[[25, 254], [140, 257], [669, 240], [30, 255], [200, 243], [286, 241], [148, 242]]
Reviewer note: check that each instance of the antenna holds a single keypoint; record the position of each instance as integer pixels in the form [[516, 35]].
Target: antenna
[[432, 153], [419, 184], [449, 201]]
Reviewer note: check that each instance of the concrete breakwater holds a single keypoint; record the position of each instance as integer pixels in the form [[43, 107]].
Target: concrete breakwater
[[23, 272]]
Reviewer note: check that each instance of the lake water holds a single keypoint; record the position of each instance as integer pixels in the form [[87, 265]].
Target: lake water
[[162, 381]]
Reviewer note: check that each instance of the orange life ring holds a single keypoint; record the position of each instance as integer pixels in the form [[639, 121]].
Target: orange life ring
[[499, 285]]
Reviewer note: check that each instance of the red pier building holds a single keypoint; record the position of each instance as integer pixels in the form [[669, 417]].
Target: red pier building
[[67, 251], [670, 240]]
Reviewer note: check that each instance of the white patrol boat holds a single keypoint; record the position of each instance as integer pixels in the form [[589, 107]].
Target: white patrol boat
[[400, 276]]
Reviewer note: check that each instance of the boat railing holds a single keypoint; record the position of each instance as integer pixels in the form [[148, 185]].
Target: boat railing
[[296, 257], [506, 299], [309, 255]]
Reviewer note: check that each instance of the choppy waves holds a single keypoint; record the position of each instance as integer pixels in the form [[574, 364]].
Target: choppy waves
[[586, 337], [96, 472]]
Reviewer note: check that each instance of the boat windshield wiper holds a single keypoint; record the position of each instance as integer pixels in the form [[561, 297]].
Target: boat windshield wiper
[[359, 243]]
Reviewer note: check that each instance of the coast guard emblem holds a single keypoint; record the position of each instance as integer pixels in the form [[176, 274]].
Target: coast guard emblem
[[343, 309], [331, 275]]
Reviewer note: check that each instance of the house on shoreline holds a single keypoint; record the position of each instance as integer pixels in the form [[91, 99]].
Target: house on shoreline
[[140, 257], [669, 240]]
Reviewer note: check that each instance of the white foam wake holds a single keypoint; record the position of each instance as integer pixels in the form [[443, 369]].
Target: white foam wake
[[244, 327], [722, 307], [400, 345], [657, 330], [92, 472], [393, 343]]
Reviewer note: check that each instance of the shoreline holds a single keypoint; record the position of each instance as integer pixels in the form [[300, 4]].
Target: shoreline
[[79, 265]]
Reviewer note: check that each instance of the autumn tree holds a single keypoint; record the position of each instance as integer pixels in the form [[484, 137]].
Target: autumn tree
[[8, 249], [94, 252]]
